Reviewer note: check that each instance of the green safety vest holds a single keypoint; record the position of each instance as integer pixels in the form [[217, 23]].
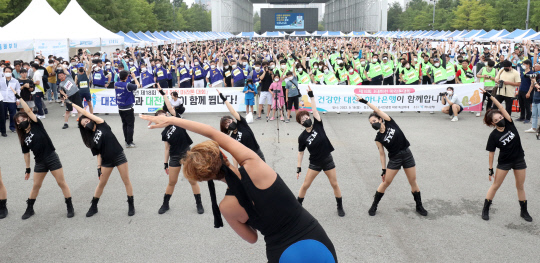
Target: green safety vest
[[450, 69], [439, 74], [463, 76], [425, 68], [342, 74], [375, 70], [333, 57], [303, 78], [355, 78], [388, 69], [362, 70], [489, 82], [410, 75], [312, 61], [330, 79], [319, 75]]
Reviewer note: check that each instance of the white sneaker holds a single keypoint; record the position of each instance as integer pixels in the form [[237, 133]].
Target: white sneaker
[[73, 114], [62, 105], [455, 118], [40, 116], [58, 101], [50, 101], [531, 130], [478, 114], [431, 112]]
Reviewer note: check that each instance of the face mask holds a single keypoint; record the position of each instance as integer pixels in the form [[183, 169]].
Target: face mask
[[81, 71], [234, 66], [8, 75], [415, 59], [212, 66], [244, 63], [143, 70], [506, 69], [307, 123], [158, 65], [226, 67], [351, 71], [196, 63], [501, 123], [315, 67], [300, 70], [272, 67], [408, 67], [89, 126], [376, 126], [97, 69], [232, 126], [326, 71], [283, 66], [257, 68], [235, 55], [449, 93], [437, 64], [340, 65], [182, 64], [108, 67], [205, 61], [73, 63], [276, 79], [24, 125], [131, 63], [363, 63]]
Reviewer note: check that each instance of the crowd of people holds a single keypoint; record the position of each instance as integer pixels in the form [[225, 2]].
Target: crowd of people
[[270, 72]]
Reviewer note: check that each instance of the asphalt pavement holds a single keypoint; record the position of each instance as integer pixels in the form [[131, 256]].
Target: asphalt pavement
[[452, 172]]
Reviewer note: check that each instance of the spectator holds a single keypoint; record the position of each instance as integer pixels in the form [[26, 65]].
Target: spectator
[[39, 91], [510, 81], [10, 102], [454, 104], [27, 89], [524, 95], [535, 90]]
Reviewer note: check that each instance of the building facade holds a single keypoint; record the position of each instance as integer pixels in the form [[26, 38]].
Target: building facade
[[232, 16], [356, 15]]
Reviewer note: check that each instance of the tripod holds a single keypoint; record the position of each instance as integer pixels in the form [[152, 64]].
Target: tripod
[[276, 101]]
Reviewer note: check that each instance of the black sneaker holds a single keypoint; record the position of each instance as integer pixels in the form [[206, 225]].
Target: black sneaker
[[4, 134], [65, 126]]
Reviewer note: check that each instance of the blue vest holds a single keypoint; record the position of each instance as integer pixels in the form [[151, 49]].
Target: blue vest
[[206, 68], [200, 71], [238, 74], [215, 75], [184, 73], [147, 79], [134, 69], [256, 76], [113, 73], [99, 78], [169, 72], [124, 98], [160, 73]]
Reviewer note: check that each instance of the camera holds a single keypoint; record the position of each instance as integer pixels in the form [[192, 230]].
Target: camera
[[442, 94], [500, 84]]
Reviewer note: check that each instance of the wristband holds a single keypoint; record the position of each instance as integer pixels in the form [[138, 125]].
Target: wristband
[[491, 172], [383, 172], [162, 92], [222, 97], [365, 102], [310, 93], [17, 96], [165, 165], [99, 172], [298, 169], [488, 95], [27, 171]]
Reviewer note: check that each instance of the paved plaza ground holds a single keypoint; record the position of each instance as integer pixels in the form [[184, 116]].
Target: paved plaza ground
[[452, 166]]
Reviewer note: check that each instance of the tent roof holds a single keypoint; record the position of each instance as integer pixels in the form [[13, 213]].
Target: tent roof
[[300, 33], [127, 38], [37, 8], [527, 33], [516, 33]]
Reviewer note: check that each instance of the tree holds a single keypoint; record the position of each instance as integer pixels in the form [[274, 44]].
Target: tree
[[256, 22], [394, 17]]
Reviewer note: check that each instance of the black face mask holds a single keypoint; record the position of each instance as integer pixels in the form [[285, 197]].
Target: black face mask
[[506, 69], [24, 125], [89, 126], [501, 123], [376, 126], [232, 126], [307, 123]]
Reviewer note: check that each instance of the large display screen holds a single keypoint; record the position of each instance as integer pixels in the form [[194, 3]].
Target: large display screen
[[292, 21]]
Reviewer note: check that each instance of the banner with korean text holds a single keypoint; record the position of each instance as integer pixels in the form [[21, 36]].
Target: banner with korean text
[[328, 98]]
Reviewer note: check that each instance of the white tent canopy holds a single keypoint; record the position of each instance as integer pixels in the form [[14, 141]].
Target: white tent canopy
[[91, 35]]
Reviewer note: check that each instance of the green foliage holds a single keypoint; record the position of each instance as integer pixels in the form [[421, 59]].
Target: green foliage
[[127, 15], [256, 22], [464, 14], [321, 26]]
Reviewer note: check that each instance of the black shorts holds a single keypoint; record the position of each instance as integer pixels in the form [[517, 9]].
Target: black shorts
[[86, 96], [516, 165], [324, 165], [51, 163], [292, 101], [403, 158], [174, 160], [119, 160], [451, 111], [76, 99]]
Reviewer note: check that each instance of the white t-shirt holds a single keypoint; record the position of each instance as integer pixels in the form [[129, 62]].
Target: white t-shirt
[[455, 100], [175, 103], [38, 76]]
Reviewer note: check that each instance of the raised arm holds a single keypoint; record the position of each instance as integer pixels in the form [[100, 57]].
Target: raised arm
[[379, 112], [229, 106], [313, 104], [167, 102], [27, 109], [87, 114], [498, 104]]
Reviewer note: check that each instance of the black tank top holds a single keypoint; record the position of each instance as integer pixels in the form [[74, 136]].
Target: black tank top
[[275, 212]]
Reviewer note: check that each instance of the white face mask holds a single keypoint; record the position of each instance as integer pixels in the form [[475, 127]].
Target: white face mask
[[272, 67], [108, 67], [205, 61], [226, 67], [449, 92], [143, 69], [300, 70], [244, 63], [437, 64], [196, 63], [351, 71], [326, 71], [363, 63], [315, 67], [257, 68], [283, 66], [289, 78], [234, 66], [235, 55], [415, 59], [8, 75], [374, 60], [182, 64], [276, 79], [158, 65], [97, 69], [212, 66], [131, 63]]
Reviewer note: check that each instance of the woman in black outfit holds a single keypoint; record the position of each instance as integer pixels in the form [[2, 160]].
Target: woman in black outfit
[[239, 130], [98, 136], [257, 199], [3, 199], [33, 137], [511, 156], [177, 143], [320, 159], [390, 136]]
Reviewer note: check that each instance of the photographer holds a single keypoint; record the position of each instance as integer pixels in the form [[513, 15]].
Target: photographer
[[454, 104], [535, 89], [508, 80]]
